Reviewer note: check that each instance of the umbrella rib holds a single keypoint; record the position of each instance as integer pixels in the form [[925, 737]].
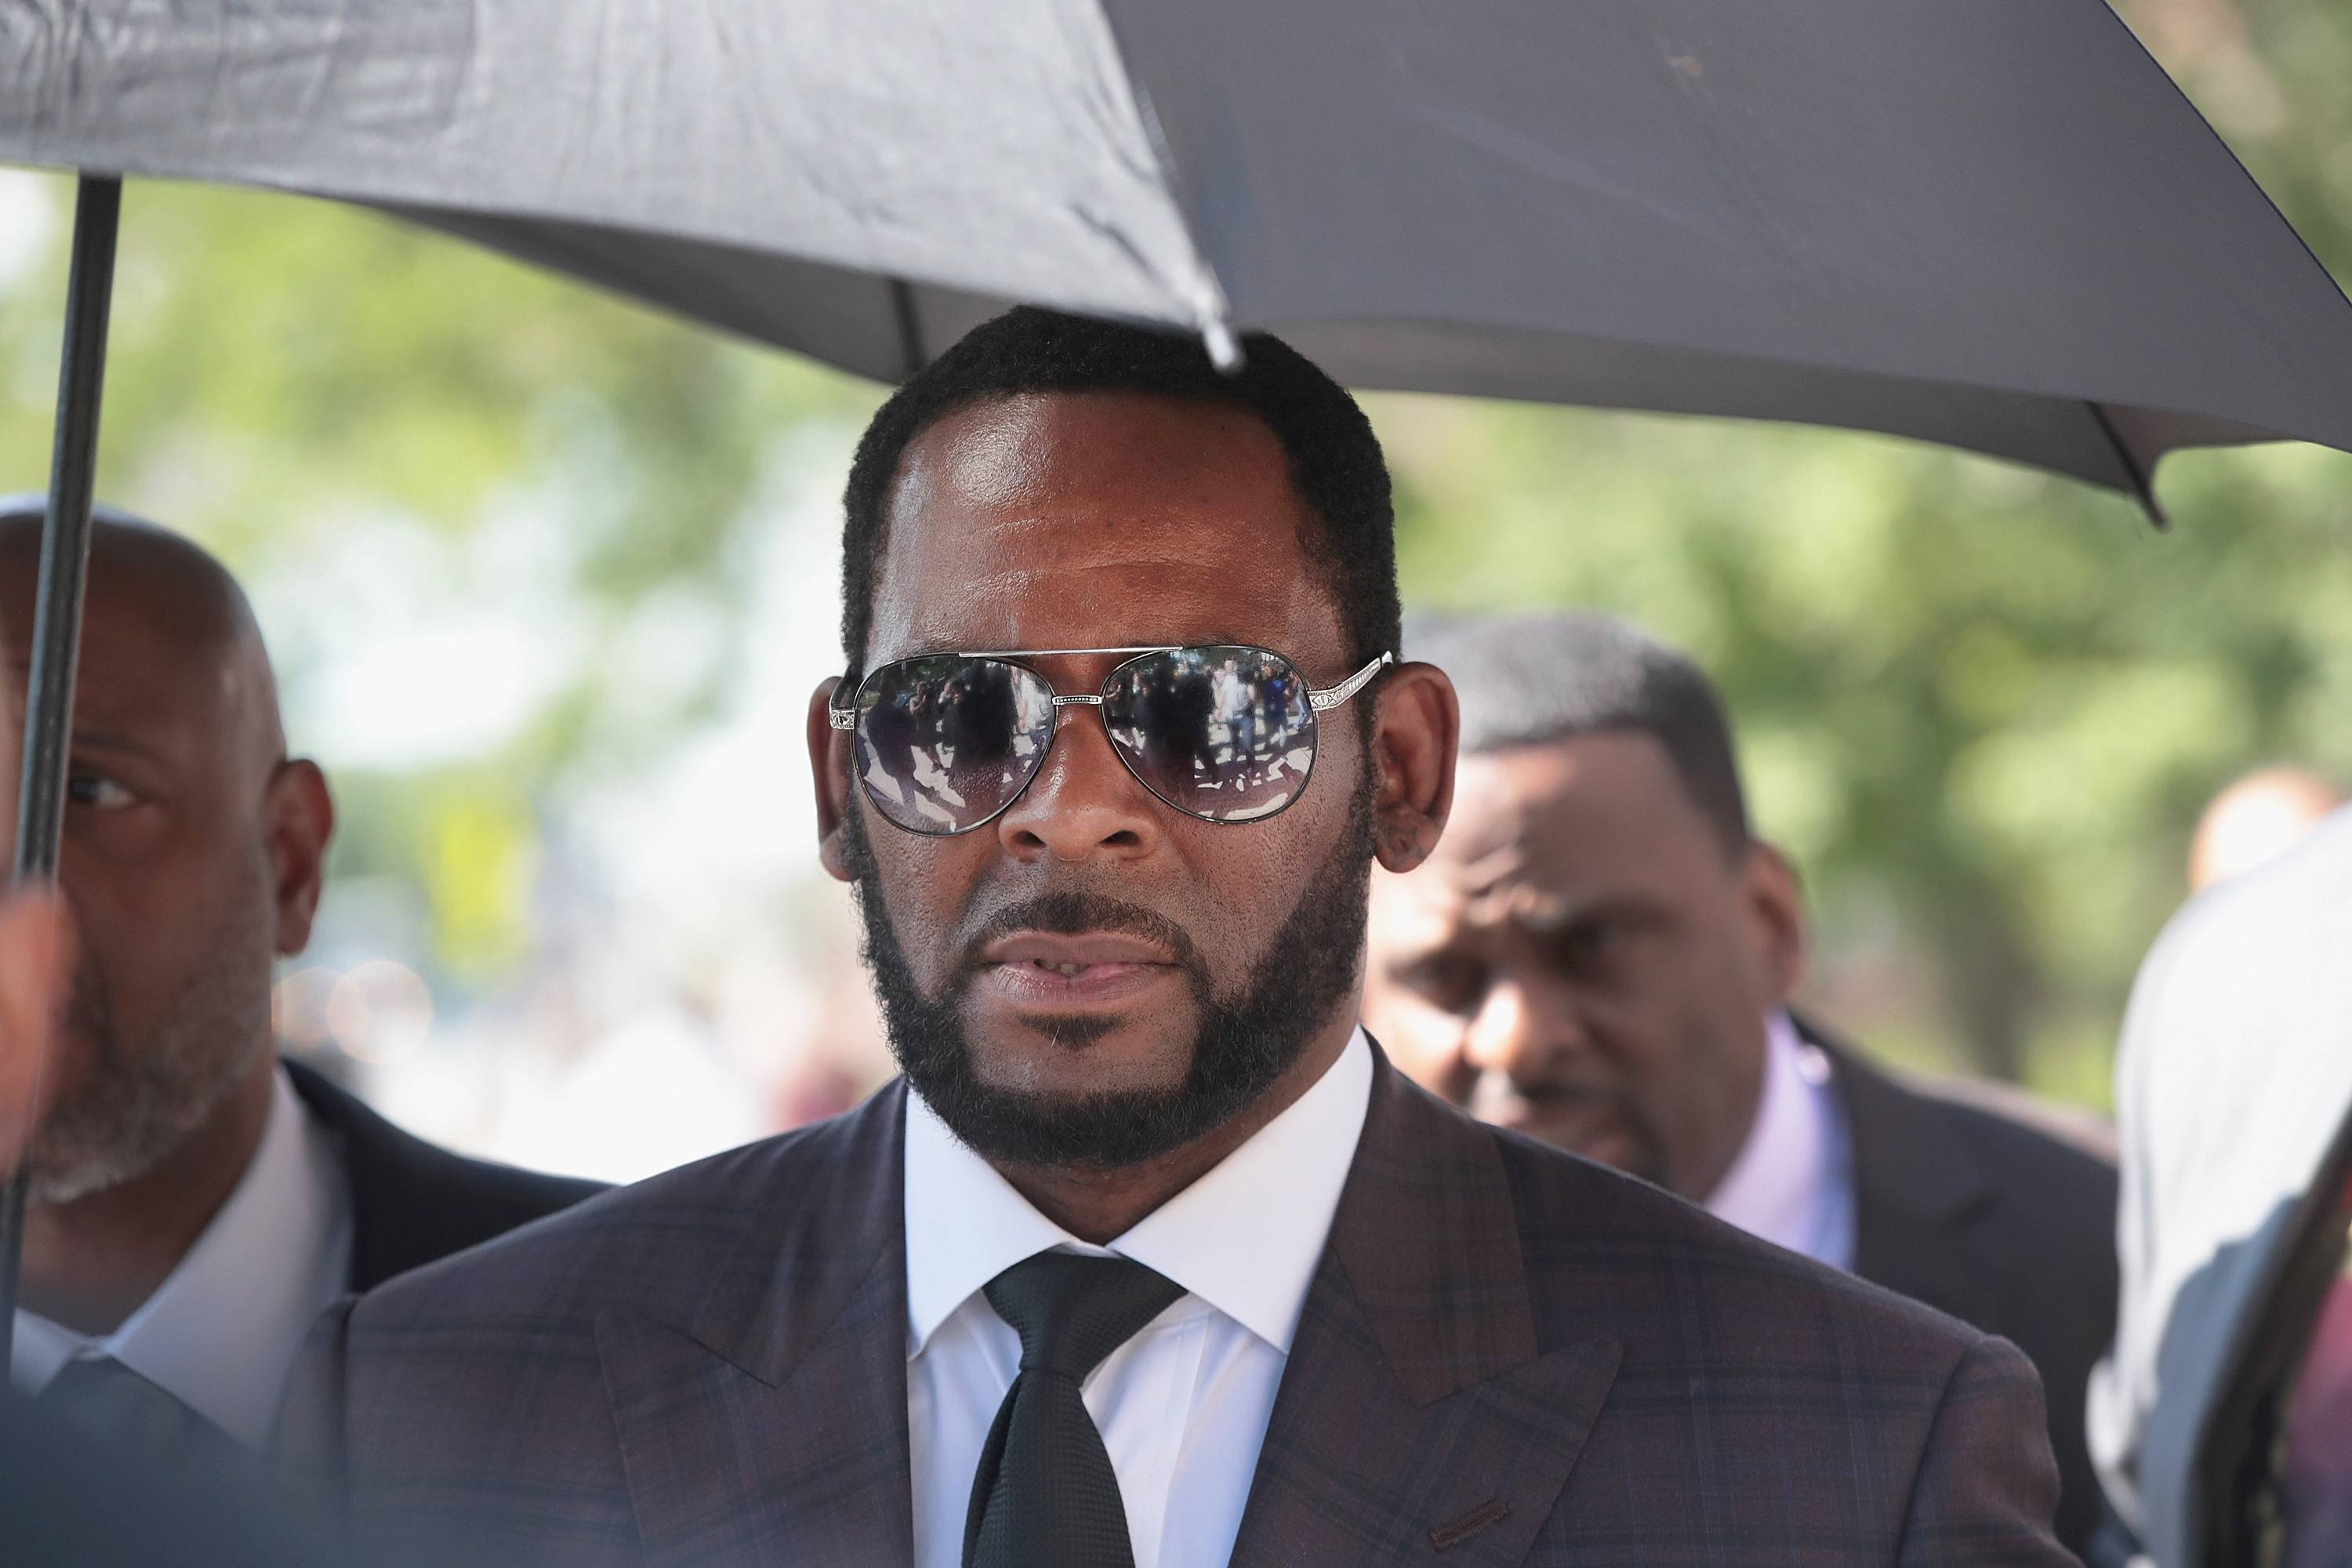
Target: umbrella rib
[[910, 328], [2142, 482]]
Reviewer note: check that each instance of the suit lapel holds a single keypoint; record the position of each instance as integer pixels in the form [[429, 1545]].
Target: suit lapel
[[1916, 1188], [772, 1429], [1416, 1413]]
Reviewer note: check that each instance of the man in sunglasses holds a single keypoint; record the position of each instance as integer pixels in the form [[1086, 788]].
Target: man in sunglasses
[[1150, 1259]]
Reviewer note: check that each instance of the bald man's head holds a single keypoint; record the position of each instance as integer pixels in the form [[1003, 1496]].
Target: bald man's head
[[197, 612], [192, 854]]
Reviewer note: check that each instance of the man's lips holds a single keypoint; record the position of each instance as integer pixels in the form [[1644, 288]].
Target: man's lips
[[1042, 970]]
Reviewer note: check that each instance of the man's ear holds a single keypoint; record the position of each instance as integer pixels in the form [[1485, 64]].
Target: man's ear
[[1775, 905], [831, 760], [1414, 731], [300, 820]]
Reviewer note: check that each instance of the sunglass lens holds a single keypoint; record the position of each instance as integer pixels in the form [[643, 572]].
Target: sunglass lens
[[945, 743], [1225, 733]]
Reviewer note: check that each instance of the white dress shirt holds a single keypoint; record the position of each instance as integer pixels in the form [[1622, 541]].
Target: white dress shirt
[[220, 1333], [1183, 1407], [1792, 1180]]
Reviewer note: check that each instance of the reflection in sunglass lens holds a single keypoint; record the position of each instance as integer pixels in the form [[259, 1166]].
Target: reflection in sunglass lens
[[1223, 732], [946, 742]]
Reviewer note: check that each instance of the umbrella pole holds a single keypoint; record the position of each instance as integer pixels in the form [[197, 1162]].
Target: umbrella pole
[[57, 615]]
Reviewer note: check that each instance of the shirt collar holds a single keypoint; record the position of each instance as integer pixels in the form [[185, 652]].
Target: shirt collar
[[222, 1330], [1224, 1238], [1777, 1182]]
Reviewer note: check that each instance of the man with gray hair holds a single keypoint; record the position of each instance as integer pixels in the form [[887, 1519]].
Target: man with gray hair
[[1599, 954]]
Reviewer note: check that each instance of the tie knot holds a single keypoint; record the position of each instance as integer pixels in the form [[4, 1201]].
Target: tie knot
[[1071, 1311], [104, 1397]]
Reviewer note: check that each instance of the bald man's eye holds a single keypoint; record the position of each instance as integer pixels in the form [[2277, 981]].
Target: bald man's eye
[[96, 792]]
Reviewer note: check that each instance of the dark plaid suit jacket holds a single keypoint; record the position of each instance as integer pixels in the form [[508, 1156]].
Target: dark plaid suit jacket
[[1508, 1356]]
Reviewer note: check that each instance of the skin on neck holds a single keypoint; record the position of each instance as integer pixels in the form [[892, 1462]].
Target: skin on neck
[[91, 1263]]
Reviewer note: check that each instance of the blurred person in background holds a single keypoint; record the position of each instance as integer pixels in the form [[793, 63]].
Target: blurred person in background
[[2255, 819], [1149, 1258], [2223, 1421], [1600, 952], [194, 1200]]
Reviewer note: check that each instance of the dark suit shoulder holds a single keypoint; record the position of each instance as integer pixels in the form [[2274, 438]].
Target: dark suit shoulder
[[2009, 1115], [1915, 1436], [460, 1398], [651, 1247], [1580, 1221], [1999, 1209], [1987, 1155], [415, 1202]]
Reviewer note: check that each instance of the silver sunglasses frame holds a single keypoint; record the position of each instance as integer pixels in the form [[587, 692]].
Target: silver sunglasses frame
[[1318, 701]]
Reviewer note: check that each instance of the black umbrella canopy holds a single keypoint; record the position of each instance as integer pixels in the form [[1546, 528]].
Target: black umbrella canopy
[[1990, 225]]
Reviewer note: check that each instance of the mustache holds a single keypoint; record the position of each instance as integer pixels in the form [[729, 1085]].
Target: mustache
[[1075, 914]]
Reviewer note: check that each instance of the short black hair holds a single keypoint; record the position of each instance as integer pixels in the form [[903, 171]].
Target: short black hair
[[1529, 679], [1334, 457]]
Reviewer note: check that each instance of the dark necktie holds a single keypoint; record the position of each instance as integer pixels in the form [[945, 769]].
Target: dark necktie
[[114, 1404], [1044, 1495]]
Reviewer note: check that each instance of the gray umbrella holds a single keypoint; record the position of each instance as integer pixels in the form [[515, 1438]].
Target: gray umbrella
[[1986, 223]]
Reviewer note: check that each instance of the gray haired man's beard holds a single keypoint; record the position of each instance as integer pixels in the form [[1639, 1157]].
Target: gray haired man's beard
[[1244, 1044], [141, 1101]]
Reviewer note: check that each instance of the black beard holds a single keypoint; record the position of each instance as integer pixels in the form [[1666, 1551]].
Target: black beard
[[1244, 1045]]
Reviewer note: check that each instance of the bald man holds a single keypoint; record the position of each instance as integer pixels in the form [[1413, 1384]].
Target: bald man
[[194, 1200]]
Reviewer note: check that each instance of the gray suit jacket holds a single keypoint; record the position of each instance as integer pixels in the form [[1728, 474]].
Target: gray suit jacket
[[2002, 1213], [2233, 1078], [1508, 1356]]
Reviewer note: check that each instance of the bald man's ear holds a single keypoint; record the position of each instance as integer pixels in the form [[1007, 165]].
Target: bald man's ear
[[300, 820], [830, 760], [1415, 733]]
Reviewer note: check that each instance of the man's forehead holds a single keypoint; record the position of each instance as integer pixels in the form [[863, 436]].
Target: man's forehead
[[131, 686], [1434, 904], [1026, 450], [150, 657], [1095, 520], [1566, 813]]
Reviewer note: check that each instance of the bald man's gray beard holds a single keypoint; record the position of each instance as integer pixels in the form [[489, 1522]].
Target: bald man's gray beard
[[143, 1099]]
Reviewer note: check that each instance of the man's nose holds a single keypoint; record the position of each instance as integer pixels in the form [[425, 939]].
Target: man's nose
[[1522, 1030], [1083, 805]]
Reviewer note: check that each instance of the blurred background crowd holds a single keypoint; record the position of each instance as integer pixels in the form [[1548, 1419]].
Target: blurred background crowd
[[548, 579]]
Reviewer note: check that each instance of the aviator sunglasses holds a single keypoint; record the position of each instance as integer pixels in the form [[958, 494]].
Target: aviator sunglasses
[[1225, 732]]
